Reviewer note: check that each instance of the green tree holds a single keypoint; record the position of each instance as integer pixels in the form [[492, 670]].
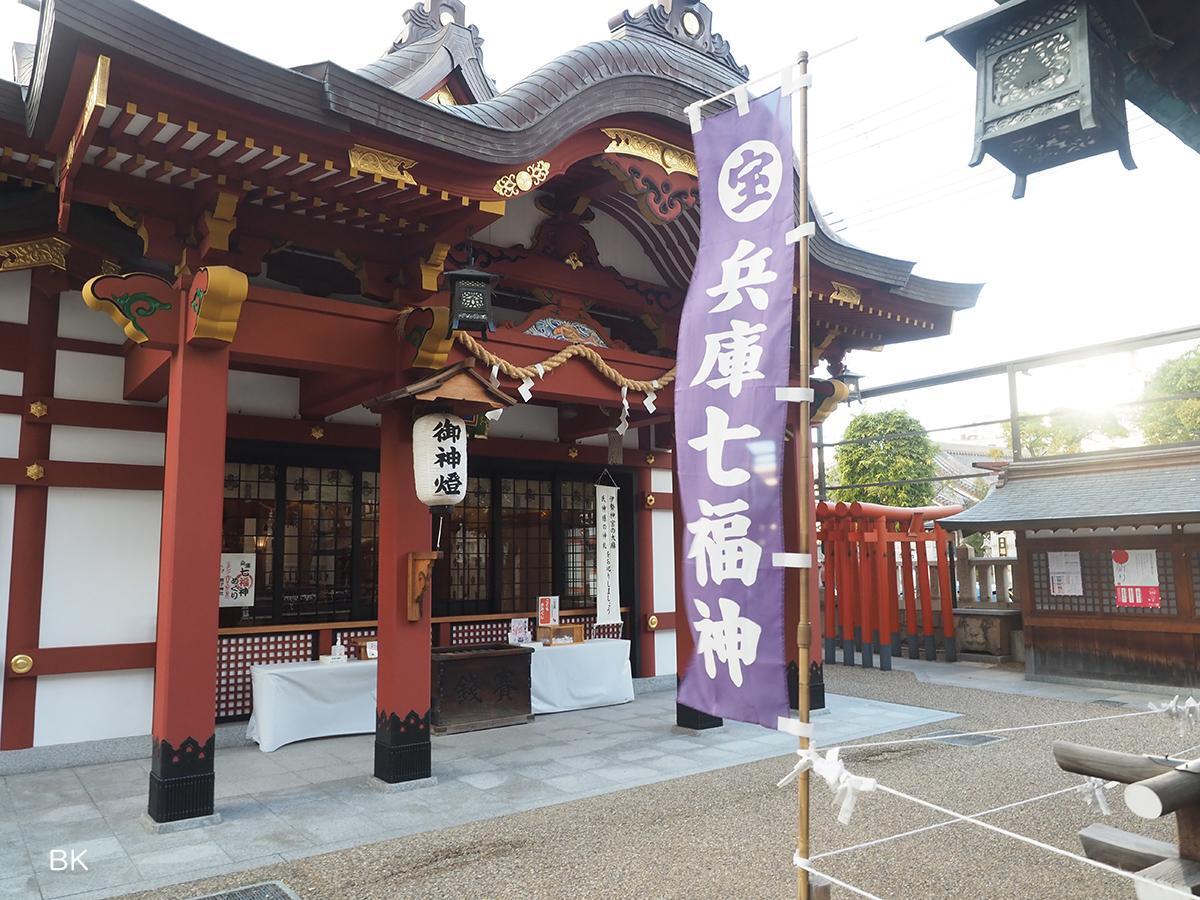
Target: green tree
[[878, 452], [1173, 421], [1064, 431]]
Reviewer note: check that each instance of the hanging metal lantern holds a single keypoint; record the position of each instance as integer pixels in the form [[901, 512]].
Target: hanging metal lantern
[[440, 460], [1051, 81], [471, 300]]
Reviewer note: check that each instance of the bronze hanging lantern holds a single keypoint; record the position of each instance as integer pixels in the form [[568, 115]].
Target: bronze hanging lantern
[[471, 300], [1051, 80]]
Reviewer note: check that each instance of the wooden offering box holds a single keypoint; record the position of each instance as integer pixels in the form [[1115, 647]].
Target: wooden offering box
[[484, 686], [547, 633]]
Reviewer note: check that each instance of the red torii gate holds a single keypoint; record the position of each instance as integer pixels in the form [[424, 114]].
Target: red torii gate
[[865, 545]]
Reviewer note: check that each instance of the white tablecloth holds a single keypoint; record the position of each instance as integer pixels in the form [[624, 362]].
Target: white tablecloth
[[297, 701], [579, 676]]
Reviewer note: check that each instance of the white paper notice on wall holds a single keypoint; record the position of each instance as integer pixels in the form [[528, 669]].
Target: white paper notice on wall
[[608, 559], [1066, 574], [1135, 578], [372, 649], [237, 579]]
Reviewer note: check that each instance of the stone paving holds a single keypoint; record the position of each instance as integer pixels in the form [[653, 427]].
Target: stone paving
[[315, 796]]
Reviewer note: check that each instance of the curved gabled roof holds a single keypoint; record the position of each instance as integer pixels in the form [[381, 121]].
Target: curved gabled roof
[[436, 45]]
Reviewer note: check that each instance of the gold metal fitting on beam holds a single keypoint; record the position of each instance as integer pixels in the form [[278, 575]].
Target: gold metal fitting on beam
[[317, 432], [38, 409], [21, 664], [35, 472], [649, 501], [573, 452], [652, 622], [649, 459]]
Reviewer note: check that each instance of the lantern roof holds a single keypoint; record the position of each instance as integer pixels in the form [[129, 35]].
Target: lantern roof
[[470, 272], [457, 385]]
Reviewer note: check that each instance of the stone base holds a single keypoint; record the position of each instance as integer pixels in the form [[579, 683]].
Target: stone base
[[403, 763], [986, 630], [686, 717], [153, 827], [401, 787]]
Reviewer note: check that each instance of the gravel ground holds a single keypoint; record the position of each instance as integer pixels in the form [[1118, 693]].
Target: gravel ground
[[730, 833]]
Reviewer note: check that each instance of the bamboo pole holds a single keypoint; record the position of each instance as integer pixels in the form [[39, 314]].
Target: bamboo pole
[[803, 438]]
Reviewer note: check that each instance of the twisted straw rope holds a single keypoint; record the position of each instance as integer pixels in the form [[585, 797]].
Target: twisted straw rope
[[520, 373]]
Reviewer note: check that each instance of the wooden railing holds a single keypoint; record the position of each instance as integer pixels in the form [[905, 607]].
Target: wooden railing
[[984, 580]]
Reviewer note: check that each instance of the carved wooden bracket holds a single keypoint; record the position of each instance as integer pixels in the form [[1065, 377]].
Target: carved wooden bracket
[[420, 580], [215, 301], [144, 306]]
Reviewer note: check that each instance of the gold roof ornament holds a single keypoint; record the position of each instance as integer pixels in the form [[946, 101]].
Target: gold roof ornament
[[369, 161], [643, 146]]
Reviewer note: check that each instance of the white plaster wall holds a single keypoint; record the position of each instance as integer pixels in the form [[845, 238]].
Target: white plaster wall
[[665, 662], [89, 376], [520, 219], [106, 445], [76, 320], [255, 394], [528, 422], [660, 481], [10, 426], [621, 250], [355, 415], [662, 533], [100, 577], [7, 499], [14, 297], [93, 706]]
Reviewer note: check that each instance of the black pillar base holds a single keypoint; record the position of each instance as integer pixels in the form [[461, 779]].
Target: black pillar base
[[402, 747], [885, 658], [686, 717], [816, 686], [914, 647], [930, 648], [951, 647], [181, 780]]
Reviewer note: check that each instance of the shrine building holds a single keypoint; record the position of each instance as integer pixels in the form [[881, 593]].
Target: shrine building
[[228, 288]]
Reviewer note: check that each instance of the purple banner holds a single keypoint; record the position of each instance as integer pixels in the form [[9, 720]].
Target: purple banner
[[734, 345]]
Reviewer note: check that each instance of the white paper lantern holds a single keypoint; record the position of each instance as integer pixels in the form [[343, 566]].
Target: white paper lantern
[[440, 460]]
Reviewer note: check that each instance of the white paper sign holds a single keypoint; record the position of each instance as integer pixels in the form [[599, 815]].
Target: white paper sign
[[518, 631], [547, 611], [372, 649], [1135, 577], [237, 579], [608, 557], [1066, 574]]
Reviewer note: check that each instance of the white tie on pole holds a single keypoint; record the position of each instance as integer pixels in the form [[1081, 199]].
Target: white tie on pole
[[791, 560], [794, 395]]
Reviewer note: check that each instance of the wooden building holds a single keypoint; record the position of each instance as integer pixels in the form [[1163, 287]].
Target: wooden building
[[1082, 525], [296, 225]]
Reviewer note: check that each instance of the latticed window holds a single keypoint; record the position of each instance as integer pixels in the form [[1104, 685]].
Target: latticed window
[[525, 542], [521, 533], [314, 532], [578, 499]]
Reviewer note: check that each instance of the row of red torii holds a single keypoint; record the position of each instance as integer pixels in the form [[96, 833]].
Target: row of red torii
[[877, 565]]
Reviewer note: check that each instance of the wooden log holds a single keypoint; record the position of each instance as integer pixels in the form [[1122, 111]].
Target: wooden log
[[1124, 849], [1176, 876], [1111, 765], [1155, 797]]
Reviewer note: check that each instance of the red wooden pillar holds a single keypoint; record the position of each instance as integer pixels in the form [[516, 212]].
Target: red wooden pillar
[[402, 748], [185, 673], [893, 593], [848, 588], [29, 512], [833, 585], [910, 599], [926, 599], [945, 561], [685, 644], [885, 601], [868, 632], [645, 574]]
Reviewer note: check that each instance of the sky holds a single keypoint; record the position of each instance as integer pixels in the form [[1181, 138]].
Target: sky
[[1092, 253]]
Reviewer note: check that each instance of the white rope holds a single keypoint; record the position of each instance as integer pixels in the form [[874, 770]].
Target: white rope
[[1034, 842], [801, 863], [987, 812], [942, 737]]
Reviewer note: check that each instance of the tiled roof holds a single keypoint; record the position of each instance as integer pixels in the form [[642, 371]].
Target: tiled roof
[[1140, 488]]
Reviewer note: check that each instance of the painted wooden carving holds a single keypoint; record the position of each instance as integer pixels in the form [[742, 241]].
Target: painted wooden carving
[[215, 301], [144, 306]]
